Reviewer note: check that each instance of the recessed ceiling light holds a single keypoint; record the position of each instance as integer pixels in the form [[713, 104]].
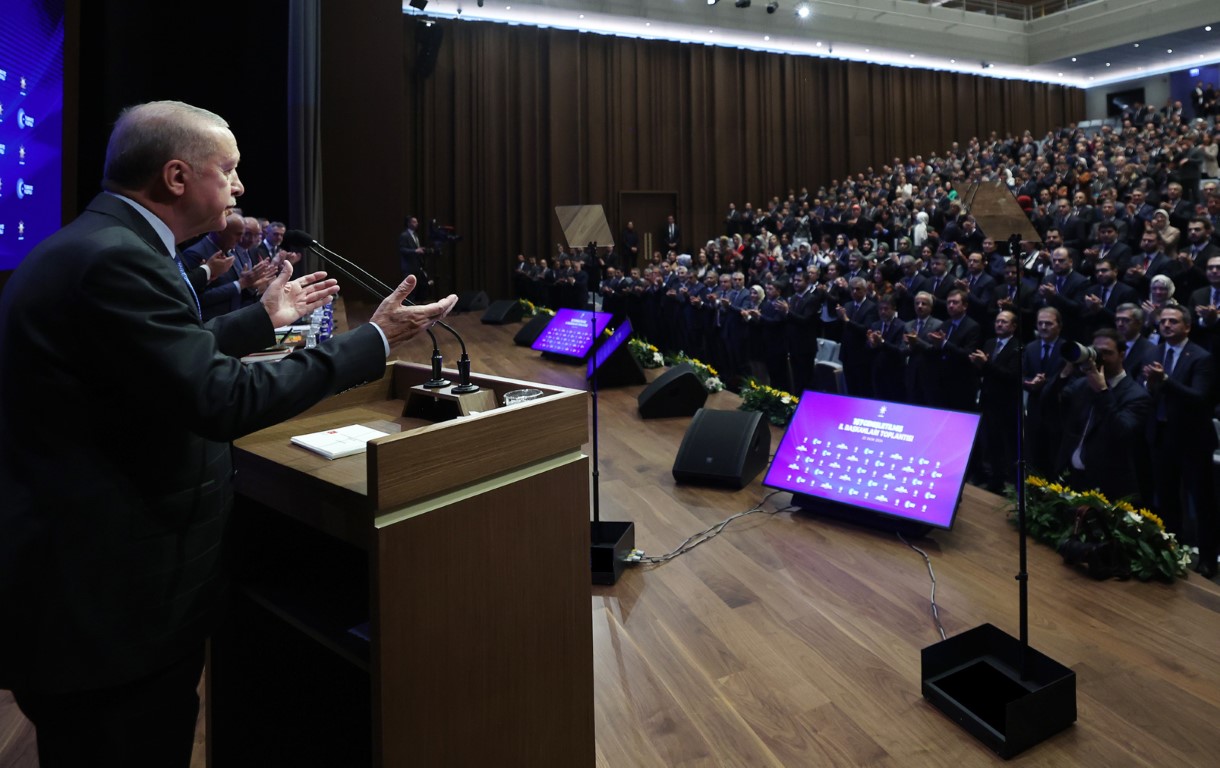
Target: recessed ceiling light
[[818, 44], [1073, 58], [1207, 29], [1168, 50], [582, 15], [1107, 63], [912, 55], [867, 50], [648, 23], [1137, 45], [952, 61], [1060, 74], [1139, 69], [766, 37]]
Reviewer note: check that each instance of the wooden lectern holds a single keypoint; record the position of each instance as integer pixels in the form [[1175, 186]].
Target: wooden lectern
[[423, 604]]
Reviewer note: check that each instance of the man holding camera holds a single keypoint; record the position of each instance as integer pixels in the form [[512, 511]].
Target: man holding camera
[[1102, 412]]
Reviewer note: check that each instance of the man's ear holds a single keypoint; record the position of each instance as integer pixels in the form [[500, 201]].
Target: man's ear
[[174, 175]]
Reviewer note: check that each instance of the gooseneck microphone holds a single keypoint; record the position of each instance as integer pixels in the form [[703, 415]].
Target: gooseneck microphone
[[296, 238]]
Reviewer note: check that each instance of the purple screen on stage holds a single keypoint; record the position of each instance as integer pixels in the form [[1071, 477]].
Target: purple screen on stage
[[571, 332], [31, 125], [621, 334], [899, 460]]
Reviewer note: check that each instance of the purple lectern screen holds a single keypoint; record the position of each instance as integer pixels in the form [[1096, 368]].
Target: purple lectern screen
[[571, 332], [899, 460]]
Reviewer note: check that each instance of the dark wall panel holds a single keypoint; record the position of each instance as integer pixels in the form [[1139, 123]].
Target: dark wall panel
[[550, 117]]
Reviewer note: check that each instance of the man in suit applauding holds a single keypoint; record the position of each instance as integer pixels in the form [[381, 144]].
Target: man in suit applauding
[[1180, 434], [113, 538], [999, 364]]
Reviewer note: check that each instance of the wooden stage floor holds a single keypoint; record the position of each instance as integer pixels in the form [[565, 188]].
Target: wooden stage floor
[[791, 640]]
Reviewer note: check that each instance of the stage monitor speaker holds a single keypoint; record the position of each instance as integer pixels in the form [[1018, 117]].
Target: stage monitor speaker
[[530, 332], [677, 392], [727, 448], [472, 301], [503, 312]]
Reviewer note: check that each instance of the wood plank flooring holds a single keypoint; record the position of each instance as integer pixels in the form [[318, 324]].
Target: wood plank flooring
[[791, 640]]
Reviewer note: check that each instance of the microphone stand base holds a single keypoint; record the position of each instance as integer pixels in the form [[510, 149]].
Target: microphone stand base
[[979, 679], [436, 383], [610, 544], [465, 389], [446, 403]]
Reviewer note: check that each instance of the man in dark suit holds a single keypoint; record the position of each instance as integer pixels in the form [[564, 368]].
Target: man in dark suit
[[856, 316], [999, 365], [671, 236], [1109, 246], [1147, 264], [1102, 413], [889, 357], [1103, 299], [1040, 364], [113, 538], [1138, 351], [1193, 256], [1063, 288], [801, 326], [234, 286], [1206, 304], [1181, 438], [1071, 228], [956, 339], [920, 379], [939, 283], [906, 288], [979, 287]]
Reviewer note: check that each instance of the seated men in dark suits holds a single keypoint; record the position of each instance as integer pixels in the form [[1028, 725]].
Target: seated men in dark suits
[[1192, 258], [999, 365], [114, 543], [1102, 413], [1181, 437], [1147, 264]]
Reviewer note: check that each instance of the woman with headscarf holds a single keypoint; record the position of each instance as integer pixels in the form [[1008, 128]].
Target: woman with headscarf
[[1168, 234], [919, 232]]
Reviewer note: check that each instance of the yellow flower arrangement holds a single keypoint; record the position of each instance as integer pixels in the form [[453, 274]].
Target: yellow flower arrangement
[[1058, 515]]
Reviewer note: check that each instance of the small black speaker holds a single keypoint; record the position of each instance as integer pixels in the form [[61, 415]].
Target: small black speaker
[[727, 448], [530, 332], [472, 301], [677, 392], [503, 312]]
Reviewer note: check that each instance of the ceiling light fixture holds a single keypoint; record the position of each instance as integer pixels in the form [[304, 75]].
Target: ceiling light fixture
[[742, 3], [803, 10], [772, 6]]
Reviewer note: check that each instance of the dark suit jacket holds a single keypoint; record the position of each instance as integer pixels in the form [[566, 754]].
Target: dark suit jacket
[[1114, 419], [958, 379], [1000, 388], [1185, 398], [1141, 354], [854, 348], [1120, 293], [114, 459]]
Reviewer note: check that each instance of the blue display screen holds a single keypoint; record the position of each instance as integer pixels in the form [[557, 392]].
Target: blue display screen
[[572, 332], [31, 125]]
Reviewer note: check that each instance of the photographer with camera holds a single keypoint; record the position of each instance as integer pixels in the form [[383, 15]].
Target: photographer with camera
[[1102, 411]]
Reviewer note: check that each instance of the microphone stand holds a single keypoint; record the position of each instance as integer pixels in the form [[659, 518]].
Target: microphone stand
[[1004, 693], [464, 386]]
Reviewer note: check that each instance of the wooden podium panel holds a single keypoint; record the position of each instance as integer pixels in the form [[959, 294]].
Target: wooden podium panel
[[463, 544]]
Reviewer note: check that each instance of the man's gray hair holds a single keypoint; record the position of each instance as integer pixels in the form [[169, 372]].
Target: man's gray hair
[[147, 136]]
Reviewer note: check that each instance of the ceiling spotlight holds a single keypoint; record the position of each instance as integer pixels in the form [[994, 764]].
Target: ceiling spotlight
[[1170, 50], [1137, 45], [772, 6], [1207, 29], [1073, 58], [952, 61], [742, 3], [480, 3], [419, 5], [803, 10], [712, 2]]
